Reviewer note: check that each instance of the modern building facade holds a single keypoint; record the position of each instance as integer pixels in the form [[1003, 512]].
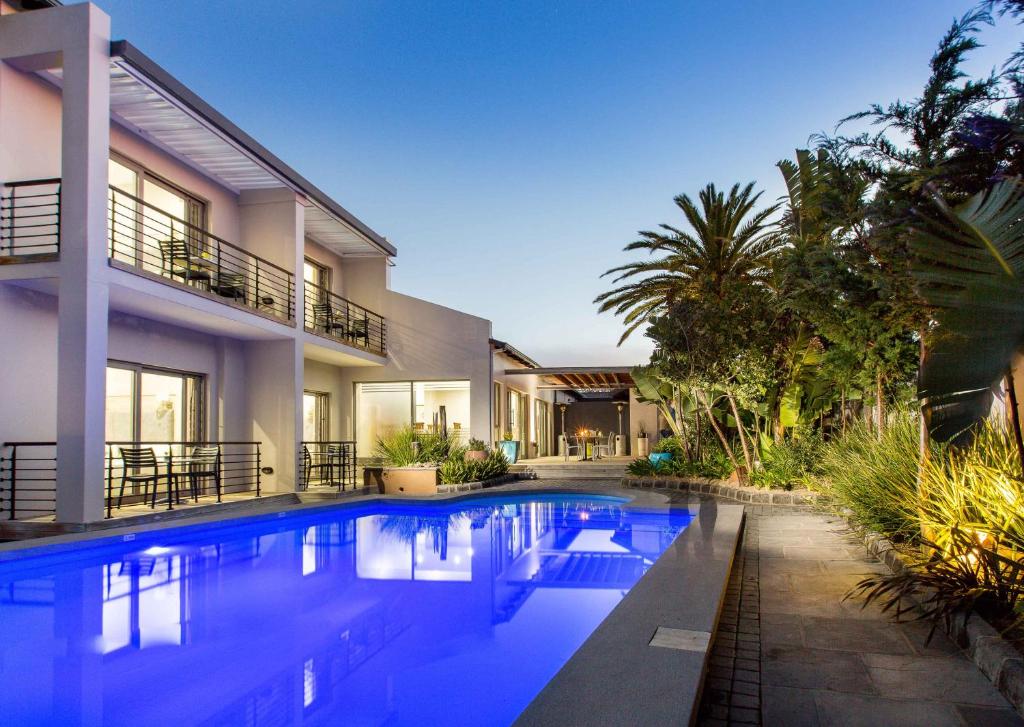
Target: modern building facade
[[167, 281]]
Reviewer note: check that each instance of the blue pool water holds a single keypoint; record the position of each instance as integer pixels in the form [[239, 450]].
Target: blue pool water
[[395, 614]]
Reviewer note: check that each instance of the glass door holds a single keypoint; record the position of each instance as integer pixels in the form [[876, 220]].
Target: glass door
[[541, 427], [316, 408]]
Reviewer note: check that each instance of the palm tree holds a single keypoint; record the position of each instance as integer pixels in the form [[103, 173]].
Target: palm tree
[[730, 243]]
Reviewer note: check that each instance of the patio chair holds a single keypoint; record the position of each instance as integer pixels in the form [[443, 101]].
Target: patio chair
[[605, 449], [358, 330], [323, 318], [137, 459], [569, 446], [230, 285], [339, 461], [176, 261], [201, 463]]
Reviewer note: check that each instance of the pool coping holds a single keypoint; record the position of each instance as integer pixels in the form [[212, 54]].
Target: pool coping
[[617, 676], [14, 551]]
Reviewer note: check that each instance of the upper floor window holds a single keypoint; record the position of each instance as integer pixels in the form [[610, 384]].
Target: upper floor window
[[316, 274], [144, 207]]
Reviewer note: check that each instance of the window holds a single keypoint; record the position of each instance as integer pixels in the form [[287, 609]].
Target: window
[[316, 416], [383, 408], [153, 405], [516, 415], [497, 411], [317, 275], [144, 210]]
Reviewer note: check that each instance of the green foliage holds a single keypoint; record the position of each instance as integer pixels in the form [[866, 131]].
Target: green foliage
[[967, 574], [714, 465], [457, 470], [792, 462], [672, 445], [476, 445], [405, 447], [875, 476]]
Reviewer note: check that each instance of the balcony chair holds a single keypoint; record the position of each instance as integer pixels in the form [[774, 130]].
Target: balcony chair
[[323, 319], [359, 329], [137, 459], [605, 449], [569, 447], [203, 462], [231, 285], [335, 455], [177, 261]]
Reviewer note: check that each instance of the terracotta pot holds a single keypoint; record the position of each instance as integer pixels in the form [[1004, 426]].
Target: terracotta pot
[[476, 454], [410, 480]]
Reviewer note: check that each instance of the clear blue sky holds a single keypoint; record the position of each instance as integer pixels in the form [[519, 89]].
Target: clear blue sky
[[511, 149]]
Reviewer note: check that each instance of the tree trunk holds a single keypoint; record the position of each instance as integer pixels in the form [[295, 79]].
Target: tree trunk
[[718, 430], [743, 438], [880, 404], [922, 453], [1015, 415]]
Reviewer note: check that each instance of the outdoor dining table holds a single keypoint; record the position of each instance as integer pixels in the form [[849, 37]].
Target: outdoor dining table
[[592, 439]]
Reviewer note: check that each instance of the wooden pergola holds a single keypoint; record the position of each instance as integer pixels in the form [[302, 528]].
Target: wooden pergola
[[580, 378]]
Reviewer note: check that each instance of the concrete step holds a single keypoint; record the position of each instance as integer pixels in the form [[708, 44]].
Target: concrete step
[[571, 471]]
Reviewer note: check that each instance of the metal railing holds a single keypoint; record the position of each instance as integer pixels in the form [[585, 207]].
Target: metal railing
[[153, 241], [181, 473], [28, 479], [330, 464], [330, 315], [30, 218]]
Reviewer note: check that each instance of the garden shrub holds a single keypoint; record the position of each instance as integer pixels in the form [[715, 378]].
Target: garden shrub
[[793, 462]]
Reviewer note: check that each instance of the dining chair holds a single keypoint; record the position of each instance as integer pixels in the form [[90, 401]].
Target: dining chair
[[569, 447], [602, 449], [201, 463], [323, 317], [176, 262], [137, 459]]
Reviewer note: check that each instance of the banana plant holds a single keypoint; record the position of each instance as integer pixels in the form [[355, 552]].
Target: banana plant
[[969, 264]]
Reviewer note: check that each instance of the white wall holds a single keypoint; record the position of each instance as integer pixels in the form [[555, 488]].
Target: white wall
[[28, 365], [30, 127]]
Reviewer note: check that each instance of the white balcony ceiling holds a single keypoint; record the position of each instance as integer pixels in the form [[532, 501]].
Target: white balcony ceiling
[[169, 124]]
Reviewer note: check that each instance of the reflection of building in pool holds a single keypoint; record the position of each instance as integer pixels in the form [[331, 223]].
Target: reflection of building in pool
[[284, 623]]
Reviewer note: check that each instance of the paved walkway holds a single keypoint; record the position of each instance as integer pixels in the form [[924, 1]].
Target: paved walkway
[[823, 660]]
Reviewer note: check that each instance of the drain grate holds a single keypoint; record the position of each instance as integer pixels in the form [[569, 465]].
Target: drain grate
[[681, 639]]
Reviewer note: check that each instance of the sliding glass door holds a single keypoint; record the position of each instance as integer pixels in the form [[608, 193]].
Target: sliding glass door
[[381, 409], [316, 416], [153, 405]]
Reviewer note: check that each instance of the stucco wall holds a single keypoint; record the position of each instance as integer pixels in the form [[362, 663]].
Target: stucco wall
[[28, 362], [30, 127]]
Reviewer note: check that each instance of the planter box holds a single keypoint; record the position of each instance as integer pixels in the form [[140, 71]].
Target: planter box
[[410, 480]]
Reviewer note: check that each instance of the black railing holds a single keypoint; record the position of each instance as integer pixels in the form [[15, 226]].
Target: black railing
[[30, 219], [175, 472], [148, 239], [328, 464], [331, 315], [28, 479]]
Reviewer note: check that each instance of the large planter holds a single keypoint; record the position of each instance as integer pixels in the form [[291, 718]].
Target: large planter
[[643, 446], [476, 454], [510, 449], [659, 457], [410, 480]]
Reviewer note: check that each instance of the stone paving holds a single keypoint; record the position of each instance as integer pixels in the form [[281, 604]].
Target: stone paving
[[826, 661]]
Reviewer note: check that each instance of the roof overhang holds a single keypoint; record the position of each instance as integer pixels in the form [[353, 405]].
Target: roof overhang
[[150, 102], [580, 378], [516, 355]]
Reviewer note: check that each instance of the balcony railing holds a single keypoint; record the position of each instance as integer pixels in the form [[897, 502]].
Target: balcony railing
[[30, 219], [28, 479], [328, 464], [330, 315], [176, 473], [150, 240], [150, 473]]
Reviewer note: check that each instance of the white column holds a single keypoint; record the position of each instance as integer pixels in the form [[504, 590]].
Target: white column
[[82, 302]]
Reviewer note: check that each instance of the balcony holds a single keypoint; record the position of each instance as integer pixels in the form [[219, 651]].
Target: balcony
[[30, 221], [146, 240], [139, 476], [330, 315]]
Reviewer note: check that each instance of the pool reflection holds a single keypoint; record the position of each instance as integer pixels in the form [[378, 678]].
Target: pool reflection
[[399, 615]]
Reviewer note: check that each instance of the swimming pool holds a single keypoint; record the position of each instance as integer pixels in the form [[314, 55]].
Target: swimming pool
[[396, 613]]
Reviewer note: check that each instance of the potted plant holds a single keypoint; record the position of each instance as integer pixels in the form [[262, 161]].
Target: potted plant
[[410, 462], [477, 450], [509, 447], [642, 445]]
